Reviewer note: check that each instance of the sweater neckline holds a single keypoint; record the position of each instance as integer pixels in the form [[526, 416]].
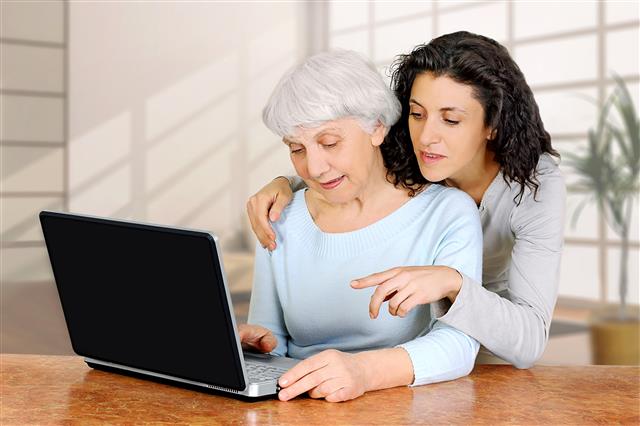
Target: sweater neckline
[[350, 243]]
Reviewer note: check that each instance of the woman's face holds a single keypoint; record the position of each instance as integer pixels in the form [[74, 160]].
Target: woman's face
[[337, 158], [446, 124]]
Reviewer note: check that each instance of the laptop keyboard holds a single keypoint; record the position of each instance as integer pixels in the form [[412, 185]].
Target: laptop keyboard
[[258, 372]]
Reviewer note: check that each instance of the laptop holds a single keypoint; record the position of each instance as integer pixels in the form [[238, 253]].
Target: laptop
[[153, 301]]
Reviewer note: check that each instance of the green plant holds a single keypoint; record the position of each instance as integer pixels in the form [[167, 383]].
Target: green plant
[[608, 170]]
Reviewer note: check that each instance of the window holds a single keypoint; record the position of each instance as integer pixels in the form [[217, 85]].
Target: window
[[598, 37]]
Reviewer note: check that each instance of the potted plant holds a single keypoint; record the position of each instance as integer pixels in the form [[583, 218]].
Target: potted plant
[[608, 170]]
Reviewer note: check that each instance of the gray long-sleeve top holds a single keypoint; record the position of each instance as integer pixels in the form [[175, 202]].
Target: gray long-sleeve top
[[510, 313]]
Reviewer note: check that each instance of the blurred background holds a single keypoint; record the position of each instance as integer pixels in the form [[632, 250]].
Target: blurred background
[[151, 111]]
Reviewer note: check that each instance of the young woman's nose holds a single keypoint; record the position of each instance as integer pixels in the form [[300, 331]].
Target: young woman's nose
[[430, 133]]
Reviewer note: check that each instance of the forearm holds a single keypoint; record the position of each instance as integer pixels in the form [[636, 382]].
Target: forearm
[[386, 368], [515, 330]]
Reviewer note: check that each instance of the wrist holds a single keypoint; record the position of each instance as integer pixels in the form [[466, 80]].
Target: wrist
[[285, 178], [368, 376], [454, 285], [386, 368]]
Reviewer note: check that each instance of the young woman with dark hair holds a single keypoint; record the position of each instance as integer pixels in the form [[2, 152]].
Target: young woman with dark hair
[[469, 120]]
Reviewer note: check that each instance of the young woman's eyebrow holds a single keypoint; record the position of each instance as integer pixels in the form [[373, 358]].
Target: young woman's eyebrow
[[454, 109], [443, 109]]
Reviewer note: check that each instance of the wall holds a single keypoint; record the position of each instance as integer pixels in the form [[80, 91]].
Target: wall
[[141, 110], [33, 100], [165, 102]]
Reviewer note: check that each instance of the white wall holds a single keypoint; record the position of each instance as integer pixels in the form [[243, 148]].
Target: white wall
[[32, 148], [142, 110], [165, 102]]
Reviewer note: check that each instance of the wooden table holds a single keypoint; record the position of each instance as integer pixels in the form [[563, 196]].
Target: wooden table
[[62, 390]]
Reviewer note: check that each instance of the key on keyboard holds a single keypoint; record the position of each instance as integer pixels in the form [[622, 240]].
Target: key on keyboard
[[261, 372]]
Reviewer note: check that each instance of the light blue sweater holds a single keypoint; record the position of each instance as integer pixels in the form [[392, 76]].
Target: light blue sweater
[[301, 290]]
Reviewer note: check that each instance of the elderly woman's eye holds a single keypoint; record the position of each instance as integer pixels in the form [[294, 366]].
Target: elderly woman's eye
[[296, 148], [452, 122]]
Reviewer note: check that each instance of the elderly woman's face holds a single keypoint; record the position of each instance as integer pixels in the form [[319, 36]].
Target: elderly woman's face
[[337, 158]]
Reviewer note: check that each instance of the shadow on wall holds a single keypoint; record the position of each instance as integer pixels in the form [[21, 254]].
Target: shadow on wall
[[190, 155]]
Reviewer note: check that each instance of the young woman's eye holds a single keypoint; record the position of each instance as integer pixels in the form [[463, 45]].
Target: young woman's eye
[[417, 114], [330, 145]]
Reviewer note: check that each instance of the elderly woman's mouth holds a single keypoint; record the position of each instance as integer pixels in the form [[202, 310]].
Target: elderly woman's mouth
[[332, 183]]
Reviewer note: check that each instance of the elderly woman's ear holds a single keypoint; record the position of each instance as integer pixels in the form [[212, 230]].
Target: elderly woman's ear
[[379, 132]]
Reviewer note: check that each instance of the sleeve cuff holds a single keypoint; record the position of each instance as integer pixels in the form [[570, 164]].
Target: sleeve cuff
[[443, 310], [443, 354], [295, 182], [419, 369]]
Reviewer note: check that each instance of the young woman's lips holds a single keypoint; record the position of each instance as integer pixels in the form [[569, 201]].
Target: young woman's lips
[[332, 183], [429, 158]]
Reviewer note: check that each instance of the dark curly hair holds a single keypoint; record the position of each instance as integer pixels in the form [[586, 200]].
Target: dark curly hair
[[500, 87]]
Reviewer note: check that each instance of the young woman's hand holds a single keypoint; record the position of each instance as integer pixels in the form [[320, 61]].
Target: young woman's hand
[[410, 286], [333, 375], [256, 338], [266, 205]]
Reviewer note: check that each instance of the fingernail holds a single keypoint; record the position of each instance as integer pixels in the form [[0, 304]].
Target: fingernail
[[283, 395], [371, 315], [283, 382], [354, 282], [272, 247]]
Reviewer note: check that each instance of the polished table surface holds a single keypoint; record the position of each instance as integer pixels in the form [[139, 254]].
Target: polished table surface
[[62, 389]]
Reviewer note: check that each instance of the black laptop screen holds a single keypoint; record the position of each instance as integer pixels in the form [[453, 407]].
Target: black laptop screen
[[144, 296]]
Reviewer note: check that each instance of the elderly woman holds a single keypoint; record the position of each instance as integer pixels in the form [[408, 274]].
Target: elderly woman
[[333, 112]]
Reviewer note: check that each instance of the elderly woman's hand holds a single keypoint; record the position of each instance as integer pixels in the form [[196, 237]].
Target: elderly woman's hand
[[410, 286], [333, 375], [265, 205], [257, 338]]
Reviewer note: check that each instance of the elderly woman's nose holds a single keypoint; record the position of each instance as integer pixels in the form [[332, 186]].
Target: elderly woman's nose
[[317, 164]]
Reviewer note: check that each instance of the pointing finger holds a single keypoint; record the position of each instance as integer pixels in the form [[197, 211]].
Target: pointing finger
[[374, 279]]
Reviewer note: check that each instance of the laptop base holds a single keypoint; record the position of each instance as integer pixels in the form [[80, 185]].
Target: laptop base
[[253, 391]]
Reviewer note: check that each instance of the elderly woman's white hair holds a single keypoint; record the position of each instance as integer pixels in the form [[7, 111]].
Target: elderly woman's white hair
[[329, 86]]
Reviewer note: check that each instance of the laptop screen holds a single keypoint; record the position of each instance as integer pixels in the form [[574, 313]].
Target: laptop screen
[[144, 296]]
